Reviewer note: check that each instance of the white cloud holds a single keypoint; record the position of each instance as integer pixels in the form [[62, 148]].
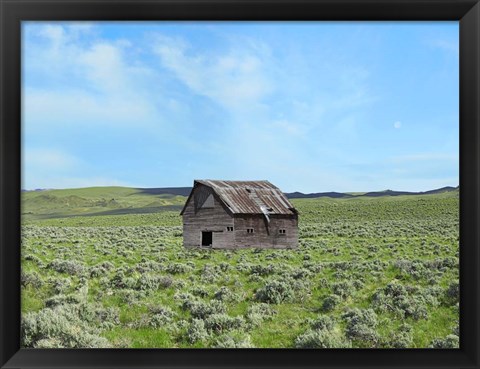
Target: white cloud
[[245, 79], [104, 67], [236, 79], [55, 34], [84, 82], [77, 107]]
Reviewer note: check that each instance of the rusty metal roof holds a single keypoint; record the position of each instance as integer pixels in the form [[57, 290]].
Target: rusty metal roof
[[250, 197]]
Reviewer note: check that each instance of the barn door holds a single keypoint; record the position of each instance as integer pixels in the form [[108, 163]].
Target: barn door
[[207, 239]]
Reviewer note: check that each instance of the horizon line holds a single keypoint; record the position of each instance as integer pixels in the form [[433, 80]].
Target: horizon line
[[172, 187]]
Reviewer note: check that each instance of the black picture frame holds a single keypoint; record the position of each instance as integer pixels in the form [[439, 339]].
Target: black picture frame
[[13, 12]]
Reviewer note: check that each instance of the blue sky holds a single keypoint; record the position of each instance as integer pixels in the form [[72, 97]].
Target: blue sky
[[318, 106]]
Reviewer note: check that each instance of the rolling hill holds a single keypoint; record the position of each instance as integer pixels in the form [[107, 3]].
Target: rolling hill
[[97, 201], [45, 204]]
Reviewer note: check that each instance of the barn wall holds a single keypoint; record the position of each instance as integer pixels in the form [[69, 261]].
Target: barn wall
[[263, 239], [214, 219], [290, 238]]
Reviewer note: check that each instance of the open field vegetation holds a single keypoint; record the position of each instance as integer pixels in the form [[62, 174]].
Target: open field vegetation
[[369, 272]]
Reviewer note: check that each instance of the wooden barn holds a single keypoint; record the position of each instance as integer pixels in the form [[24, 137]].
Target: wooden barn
[[238, 214]]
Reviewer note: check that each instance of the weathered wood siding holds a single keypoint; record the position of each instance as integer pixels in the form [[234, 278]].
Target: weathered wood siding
[[264, 237], [215, 220], [290, 225]]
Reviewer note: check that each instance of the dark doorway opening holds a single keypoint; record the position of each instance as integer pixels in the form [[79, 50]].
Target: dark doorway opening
[[206, 238]]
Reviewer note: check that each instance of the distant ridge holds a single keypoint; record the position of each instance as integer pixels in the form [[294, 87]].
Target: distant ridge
[[441, 190], [299, 195], [185, 191], [177, 191], [335, 195]]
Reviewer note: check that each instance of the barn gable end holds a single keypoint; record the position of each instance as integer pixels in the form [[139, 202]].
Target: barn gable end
[[200, 220]]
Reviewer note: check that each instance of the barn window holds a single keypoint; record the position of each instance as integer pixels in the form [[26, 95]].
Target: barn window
[[230, 229], [249, 230], [282, 231]]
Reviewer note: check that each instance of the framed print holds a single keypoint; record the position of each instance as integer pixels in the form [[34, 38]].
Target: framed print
[[240, 184]]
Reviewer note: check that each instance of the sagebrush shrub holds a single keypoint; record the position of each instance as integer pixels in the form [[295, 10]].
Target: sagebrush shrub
[[451, 341], [211, 273], [402, 338], [199, 291], [452, 294], [404, 300], [149, 282], [313, 267], [361, 325], [156, 318], [178, 268], [49, 343], [32, 279], [120, 280], [234, 339], [226, 295], [60, 285], [62, 326], [323, 322], [147, 266], [301, 273], [67, 266], [257, 313], [101, 269], [34, 258], [330, 302], [160, 316], [275, 292], [321, 339], [129, 296], [456, 329], [201, 309], [224, 266], [196, 331], [62, 299], [343, 289], [219, 323], [107, 318], [262, 270], [323, 333]]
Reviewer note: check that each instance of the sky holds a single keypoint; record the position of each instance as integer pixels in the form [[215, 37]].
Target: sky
[[309, 106]]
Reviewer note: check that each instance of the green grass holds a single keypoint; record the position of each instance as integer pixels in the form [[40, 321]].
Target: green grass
[[94, 201], [364, 244]]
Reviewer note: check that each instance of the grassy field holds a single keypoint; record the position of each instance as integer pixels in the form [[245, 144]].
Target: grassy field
[[106, 268], [98, 201]]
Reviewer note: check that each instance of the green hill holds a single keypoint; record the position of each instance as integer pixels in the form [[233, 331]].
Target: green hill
[[95, 201]]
